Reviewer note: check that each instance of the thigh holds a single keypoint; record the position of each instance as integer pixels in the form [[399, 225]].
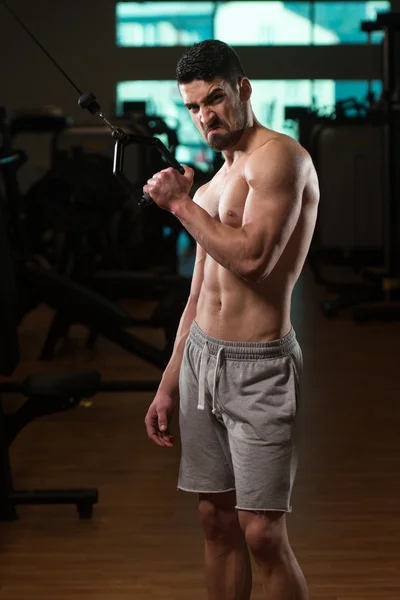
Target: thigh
[[206, 464], [260, 422]]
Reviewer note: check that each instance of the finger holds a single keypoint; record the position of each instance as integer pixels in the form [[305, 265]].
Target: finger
[[156, 440], [153, 422], [162, 421], [167, 439], [152, 430], [164, 443], [154, 437], [149, 188], [188, 171]]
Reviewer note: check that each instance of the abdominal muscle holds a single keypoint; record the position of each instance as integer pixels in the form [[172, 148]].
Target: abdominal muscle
[[232, 309]]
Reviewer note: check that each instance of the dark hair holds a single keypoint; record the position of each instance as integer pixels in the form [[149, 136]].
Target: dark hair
[[207, 60]]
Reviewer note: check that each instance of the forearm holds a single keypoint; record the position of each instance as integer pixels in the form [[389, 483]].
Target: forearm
[[228, 246], [170, 379]]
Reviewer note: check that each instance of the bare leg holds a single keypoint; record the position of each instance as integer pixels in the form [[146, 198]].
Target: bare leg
[[267, 539], [227, 561]]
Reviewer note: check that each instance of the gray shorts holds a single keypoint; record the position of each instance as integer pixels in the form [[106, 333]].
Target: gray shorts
[[238, 405]]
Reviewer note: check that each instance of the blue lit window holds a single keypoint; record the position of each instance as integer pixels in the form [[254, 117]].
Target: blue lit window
[[267, 22], [269, 100], [163, 23]]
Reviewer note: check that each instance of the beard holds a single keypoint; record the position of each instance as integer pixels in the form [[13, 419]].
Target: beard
[[223, 139]]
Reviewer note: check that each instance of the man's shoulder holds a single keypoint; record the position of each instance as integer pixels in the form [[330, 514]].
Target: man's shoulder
[[279, 146], [278, 154]]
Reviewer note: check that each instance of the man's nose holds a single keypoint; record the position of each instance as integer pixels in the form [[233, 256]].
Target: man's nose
[[207, 116]]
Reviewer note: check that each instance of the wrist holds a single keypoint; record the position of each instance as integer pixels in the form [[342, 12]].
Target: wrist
[[169, 385], [178, 208], [173, 394]]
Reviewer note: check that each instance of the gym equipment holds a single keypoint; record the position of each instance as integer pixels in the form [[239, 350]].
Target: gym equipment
[[46, 394], [358, 225], [68, 212], [122, 139], [83, 197], [52, 392], [388, 308], [73, 301], [122, 142], [349, 231], [9, 347], [78, 216]]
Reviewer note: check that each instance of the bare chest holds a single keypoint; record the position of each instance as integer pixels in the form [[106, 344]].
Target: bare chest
[[225, 199]]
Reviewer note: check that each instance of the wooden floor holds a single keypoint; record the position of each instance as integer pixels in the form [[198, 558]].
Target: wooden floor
[[144, 540]]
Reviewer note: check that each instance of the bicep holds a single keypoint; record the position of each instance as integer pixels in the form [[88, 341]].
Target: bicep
[[273, 203], [271, 214]]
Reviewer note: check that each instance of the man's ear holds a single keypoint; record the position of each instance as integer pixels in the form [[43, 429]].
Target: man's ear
[[245, 89]]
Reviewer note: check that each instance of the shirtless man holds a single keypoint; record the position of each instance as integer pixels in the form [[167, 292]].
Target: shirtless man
[[236, 364]]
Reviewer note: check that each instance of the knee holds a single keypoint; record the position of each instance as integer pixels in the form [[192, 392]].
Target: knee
[[265, 539], [218, 522]]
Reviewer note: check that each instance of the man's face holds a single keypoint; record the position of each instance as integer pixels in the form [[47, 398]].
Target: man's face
[[217, 111]]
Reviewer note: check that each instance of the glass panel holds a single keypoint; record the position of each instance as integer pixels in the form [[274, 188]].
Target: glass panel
[[269, 100], [344, 18], [163, 23], [267, 22]]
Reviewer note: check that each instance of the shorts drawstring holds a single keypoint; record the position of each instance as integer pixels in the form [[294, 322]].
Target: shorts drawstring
[[205, 357], [216, 374]]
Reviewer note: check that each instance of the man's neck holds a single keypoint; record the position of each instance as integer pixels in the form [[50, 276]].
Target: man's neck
[[231, 155]]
